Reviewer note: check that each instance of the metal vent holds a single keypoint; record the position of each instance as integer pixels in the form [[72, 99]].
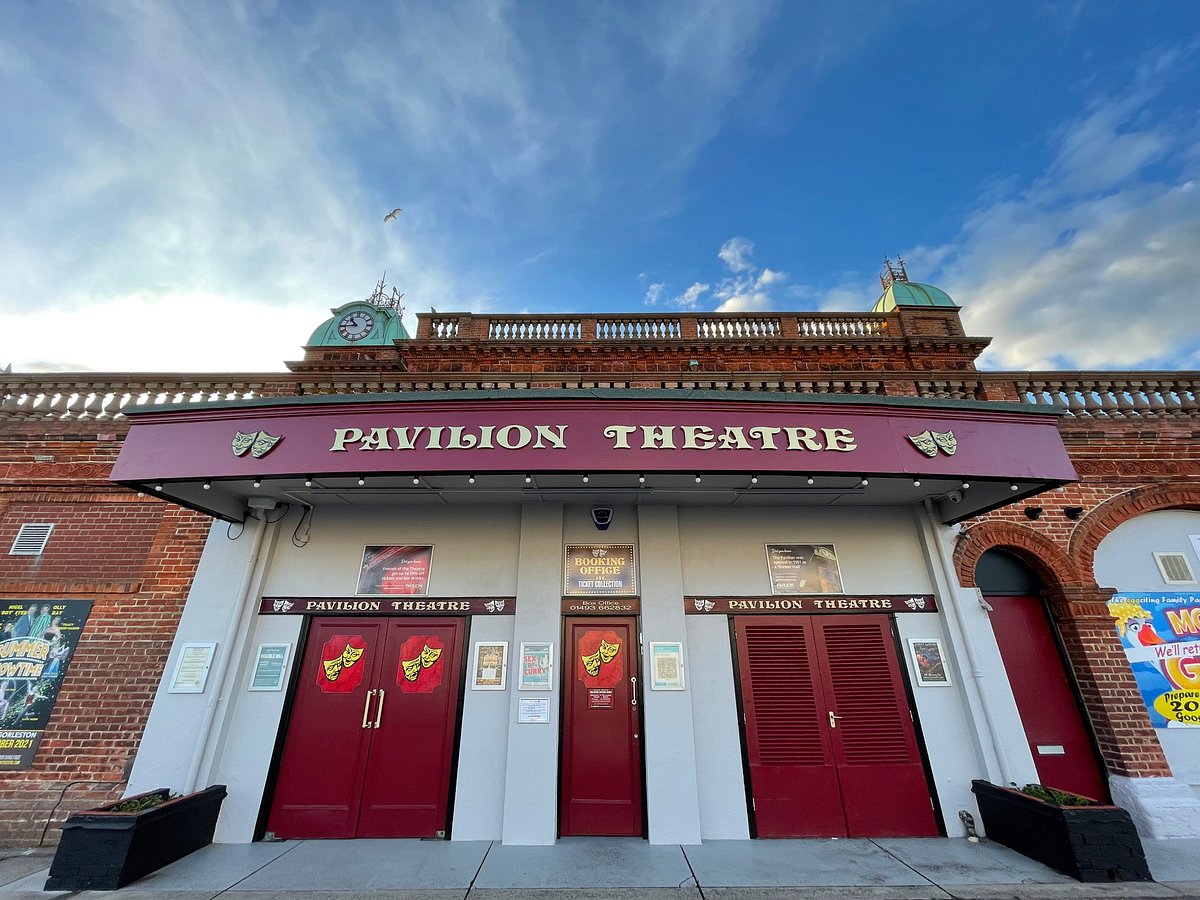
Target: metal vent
[[1174, 568], [31, 539]]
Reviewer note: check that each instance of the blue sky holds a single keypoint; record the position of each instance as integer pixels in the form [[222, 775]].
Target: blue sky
[[192, 186]]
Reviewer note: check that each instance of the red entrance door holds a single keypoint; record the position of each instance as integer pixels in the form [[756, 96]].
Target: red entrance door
[[1057, 735], [371, 736], [601, 788], [829, 735]]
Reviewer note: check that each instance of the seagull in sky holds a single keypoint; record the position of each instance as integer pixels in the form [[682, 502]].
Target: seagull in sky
[[392, 214]]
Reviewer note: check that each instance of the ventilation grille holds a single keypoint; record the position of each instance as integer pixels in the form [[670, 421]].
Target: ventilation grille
[[1174, 568], [31, 539]]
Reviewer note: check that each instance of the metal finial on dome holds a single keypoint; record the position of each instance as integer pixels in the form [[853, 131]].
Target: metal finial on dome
[[380, 299], [892, 272]]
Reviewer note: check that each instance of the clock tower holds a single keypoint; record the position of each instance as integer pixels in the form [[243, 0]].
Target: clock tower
[[358, 330]]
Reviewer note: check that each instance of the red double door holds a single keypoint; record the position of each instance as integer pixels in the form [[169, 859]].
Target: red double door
[[601, 779], [370, 741], [829, 734]]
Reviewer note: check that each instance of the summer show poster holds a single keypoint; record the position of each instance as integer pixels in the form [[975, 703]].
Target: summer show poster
[[37, 641], [395, 570], [1161, 637]]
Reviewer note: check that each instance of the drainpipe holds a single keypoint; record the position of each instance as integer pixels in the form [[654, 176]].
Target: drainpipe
[[244, 597], [950, 576]]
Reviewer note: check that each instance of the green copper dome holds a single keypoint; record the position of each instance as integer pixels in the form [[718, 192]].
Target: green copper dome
[[359, 324], [910, 293]]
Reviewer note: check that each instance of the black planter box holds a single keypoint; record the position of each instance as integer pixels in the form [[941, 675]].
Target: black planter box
[[103, 850], [1092, 843]]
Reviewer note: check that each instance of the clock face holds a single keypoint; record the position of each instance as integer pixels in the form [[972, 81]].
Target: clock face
[[356, 325]]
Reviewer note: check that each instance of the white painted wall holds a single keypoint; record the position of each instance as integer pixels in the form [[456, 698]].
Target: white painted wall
[[1125, 561]]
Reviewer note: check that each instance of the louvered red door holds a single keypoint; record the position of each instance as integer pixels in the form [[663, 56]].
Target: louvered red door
[[884, 789], [831, 745], [792, 771]]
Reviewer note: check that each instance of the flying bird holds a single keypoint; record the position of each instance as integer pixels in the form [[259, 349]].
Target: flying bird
[[392, 214]]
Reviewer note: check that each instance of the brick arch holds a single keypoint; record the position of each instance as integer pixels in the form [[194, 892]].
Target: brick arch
[[1045, 557], [1100, 522]]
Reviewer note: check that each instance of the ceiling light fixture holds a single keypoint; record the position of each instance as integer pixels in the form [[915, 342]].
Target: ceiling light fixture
[[308, 482], [258, 482], [916, 482], [207, 485], [361, 481]]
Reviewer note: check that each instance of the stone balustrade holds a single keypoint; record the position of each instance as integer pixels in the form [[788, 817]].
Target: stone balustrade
[[1098, 395]]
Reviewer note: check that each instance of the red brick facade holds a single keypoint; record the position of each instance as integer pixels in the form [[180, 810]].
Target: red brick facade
[[135, 556]]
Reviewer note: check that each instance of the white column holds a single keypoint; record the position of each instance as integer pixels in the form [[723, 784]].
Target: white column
[[672, 796], [531, 777]]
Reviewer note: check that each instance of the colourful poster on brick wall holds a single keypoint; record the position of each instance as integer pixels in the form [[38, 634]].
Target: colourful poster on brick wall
[[1161, 635], [37, 640]]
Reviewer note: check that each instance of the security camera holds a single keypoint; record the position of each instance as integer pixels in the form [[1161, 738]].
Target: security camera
[[954, 496], [602, 517]]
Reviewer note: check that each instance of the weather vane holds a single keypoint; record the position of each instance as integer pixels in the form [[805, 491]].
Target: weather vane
[[381, 299]]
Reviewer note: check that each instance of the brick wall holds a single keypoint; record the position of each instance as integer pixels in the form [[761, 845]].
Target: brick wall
[[134, 558]]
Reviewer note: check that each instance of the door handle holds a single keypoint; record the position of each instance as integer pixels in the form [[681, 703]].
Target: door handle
[[832, 718], [633, 690], [367, 710], [379, 711]]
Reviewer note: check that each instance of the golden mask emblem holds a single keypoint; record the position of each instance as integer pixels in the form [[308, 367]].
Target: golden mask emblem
[[351, 655], [333, 668], [591, 664], [430, 655], [608, 651], [411, 667]]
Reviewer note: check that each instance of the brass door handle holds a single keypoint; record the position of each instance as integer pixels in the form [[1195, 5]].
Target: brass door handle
[[367, 710], [832, 718], [379, 710]]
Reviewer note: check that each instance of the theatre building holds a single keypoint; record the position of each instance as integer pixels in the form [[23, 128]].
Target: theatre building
[[673, 577]]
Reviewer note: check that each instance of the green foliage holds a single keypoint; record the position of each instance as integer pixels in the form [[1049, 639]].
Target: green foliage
[[1054, 796], [140, 804]]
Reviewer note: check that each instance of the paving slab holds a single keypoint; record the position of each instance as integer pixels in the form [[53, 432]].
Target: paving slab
[[586, 863], [675, 893], [363, 865], [950, 861], [1173, 861], [797, 863], [15, 868], [859, 892], [1074, 890]]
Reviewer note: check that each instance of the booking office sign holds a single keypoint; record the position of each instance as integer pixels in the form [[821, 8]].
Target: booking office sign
[[1161, 637], [37, 640]]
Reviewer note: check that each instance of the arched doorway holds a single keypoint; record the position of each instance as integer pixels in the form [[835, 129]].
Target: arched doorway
[[1055, 727]]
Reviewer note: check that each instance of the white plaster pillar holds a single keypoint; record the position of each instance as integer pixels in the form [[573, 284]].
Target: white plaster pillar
[[672, 796], [531, 775]]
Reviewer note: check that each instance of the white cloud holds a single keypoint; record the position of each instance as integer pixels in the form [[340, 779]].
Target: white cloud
[[1095, 264], [734, 253], [654, 293], [690, 299]]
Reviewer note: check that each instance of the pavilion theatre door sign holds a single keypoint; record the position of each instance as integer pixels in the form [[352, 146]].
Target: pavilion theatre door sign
[[371, 737], [1058, 738], [829, 737], [601, 790]]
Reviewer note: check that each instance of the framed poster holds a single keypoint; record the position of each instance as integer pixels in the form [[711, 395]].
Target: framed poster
[[191, 669], [489, 666], [397, 569], [600, 569], [38, 638], [666, 666], [803, 569], [537, 666], [270, 667], [928, 662], [533, 711]]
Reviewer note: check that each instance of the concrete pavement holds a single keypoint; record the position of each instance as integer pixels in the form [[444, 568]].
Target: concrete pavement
[[615, 869]]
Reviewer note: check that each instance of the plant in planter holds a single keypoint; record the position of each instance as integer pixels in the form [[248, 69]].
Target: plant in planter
[[1078, 836], [113, 845]]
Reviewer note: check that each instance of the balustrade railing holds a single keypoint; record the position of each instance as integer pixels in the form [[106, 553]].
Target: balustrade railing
[[1096, 395]]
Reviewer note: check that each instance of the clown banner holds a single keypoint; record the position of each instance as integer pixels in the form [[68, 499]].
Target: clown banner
[[1161, 636]]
